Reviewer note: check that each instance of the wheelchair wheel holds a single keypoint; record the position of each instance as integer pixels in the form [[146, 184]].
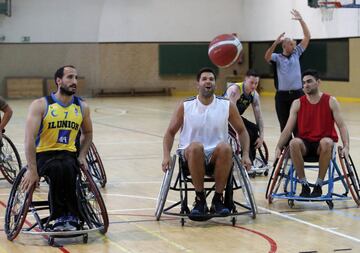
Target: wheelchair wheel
[[244, 181], [263, 153], [351, 177], [277, 174], [92, 204], [10, 162], [96, 166], [17, 207], [164, 189]]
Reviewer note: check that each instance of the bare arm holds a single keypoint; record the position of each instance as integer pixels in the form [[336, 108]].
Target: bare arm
[[305, 41], [290, 126], [271, 49], [233, 93], [6, 118], [344, 134], [238, 124], [175, 124], [87, 134], [33, 122], [259, 120]]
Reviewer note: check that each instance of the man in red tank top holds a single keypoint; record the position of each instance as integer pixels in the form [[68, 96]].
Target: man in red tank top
[[314, 115]]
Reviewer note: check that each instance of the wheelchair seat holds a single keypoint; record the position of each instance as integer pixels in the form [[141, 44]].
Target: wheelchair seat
[[283, 181], [94, 215], [238, 179]]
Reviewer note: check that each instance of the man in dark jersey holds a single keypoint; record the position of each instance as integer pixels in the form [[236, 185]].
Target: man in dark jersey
[[242, 95], [52, 125], [314, 115]]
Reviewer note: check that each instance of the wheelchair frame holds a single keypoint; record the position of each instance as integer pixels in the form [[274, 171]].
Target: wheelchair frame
[[91, 205], [96, 166], [287, 173], [261, 158], [238, 179], [10, 162]]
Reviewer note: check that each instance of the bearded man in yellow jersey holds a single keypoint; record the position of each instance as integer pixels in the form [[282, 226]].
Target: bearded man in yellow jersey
[[52, 125]]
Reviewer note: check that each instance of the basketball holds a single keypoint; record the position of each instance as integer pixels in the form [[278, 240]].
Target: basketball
[[224, 50]]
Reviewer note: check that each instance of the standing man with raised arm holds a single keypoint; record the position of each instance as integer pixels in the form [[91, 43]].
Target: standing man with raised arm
[[288, 71]]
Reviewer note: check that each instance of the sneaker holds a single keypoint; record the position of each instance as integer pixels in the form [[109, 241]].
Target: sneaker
[[317, 192], [59, 224], [200, 207], [66, 223], [305, 191], [218, 207]]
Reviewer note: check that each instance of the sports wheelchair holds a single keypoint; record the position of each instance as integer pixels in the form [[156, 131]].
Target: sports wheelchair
[[96, 166], [261, 161], [238, 179], [10, 162], [91, 205], [283, 180]]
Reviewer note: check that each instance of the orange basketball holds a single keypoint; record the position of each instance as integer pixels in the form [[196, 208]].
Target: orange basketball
[[224, 50]]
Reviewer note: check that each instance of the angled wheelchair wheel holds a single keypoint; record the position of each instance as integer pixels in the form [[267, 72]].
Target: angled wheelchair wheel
[[164, 189], [17, 207], [10, 162], [263, 153], [277, 174], [96, 166], [91, 203], [242, 178], [351, 177]]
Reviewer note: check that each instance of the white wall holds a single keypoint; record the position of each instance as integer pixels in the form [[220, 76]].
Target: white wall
[[168, 20]]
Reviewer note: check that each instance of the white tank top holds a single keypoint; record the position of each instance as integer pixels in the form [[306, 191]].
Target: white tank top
[[207, 124]]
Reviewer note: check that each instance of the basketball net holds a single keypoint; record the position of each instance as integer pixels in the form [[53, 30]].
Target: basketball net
[[327, 9]]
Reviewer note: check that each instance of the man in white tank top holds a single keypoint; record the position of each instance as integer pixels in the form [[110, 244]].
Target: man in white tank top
[[203, 145]]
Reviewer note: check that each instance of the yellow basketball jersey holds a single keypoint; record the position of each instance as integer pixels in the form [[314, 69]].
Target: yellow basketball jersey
[[60, 125]]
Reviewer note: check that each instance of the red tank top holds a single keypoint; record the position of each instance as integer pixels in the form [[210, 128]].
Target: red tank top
[[316, 121]]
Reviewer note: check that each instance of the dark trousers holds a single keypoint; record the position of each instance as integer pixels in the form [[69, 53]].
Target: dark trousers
[[283, 101], [61, 169], [253, 132]]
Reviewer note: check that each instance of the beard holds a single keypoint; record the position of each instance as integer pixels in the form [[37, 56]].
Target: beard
[[207, 93], [64, 91]]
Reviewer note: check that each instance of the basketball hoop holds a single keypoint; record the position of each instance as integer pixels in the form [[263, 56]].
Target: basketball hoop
[[327, 9]]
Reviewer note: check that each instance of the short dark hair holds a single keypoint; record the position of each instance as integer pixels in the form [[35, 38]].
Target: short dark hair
[[252, 72], [60, 72], [311, 72], [206, 69]]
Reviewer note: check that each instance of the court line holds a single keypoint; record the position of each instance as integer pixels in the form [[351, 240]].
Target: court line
[[176, 245], [310, 224]]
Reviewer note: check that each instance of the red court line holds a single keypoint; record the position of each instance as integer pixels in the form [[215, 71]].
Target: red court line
[[62, 249], [273, 245]]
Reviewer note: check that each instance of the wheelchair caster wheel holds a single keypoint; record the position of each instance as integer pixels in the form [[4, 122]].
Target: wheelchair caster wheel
[[270, 200], [291, 203], [233, 221], [330, 204], [51, 241], [182, 221], [85, 239]]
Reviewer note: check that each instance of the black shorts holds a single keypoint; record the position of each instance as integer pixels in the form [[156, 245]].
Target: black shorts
[[209, 167], [311, 148]]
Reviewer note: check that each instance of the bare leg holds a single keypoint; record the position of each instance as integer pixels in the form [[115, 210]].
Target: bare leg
[[325, 152], [297, 151], [222, 160], [194, 155]]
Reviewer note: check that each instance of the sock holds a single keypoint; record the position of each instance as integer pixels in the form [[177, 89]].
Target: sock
[[200, 195], [319, 182], [303, 181], [217, 196]]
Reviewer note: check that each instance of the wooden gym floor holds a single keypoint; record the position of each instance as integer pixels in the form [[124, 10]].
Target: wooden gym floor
[[128, 134]]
